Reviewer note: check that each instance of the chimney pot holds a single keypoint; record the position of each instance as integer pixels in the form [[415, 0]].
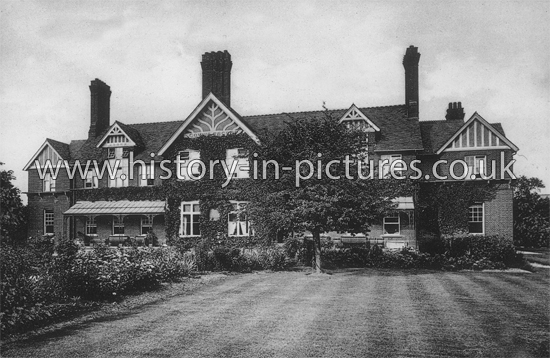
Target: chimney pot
[[455, 111]]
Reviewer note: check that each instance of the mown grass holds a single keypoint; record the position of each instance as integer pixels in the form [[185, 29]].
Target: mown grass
[[351, 313]]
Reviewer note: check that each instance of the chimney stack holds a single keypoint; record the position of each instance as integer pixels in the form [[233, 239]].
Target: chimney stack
[[216, 75], [100, 107], [455, 111], [410, 62]]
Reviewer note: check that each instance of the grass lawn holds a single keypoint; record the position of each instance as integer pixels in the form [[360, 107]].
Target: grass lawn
[[351, 313]]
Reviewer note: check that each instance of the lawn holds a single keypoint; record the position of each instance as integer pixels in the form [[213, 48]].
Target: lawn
[[352, 313]]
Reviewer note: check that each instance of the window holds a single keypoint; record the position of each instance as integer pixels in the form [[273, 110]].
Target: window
[[91, 179], [391, 158], [48, 183], [146, 177], [237, 221], [391, 224], [242, 167], [91, 226], [476, 165], [475, 219], [190, 219], [186, 156], [118, 225], [146, 224], [48, 222], [121, 178]]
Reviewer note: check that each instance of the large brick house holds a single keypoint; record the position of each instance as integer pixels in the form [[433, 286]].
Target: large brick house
[[130, 204]]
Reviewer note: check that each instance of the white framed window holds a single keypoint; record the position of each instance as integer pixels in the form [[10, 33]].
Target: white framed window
[[190, 218], [185, 157], [146, 175], [240, 155], [49, 220], [48, 183], [91, 180], [146, 224], [118, 225], [476, 222], [121, 179], [91, 226], [476, 165], [237, 220], [392, 224], [390, 158]]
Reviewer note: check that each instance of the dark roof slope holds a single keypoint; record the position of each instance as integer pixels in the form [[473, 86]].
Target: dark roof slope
[[132, 133], [61, 148], [398, 132], [436, 133]]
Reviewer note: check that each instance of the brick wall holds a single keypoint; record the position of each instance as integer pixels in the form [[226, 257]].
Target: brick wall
[[499, 213], [37, 204]]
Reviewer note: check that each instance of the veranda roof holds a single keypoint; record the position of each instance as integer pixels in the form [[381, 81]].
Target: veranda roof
[[116, 207], [404, 203]]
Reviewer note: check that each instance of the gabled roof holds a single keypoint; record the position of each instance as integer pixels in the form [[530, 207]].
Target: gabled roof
[[60, 148], [131, 133], [191, 118], [354, 113], [397, 131], [477, 117]]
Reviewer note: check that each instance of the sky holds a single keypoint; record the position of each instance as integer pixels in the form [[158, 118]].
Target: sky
[[287, 56]]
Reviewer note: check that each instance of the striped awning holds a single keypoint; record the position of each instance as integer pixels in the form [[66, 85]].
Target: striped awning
[[116, 207], [404, 203]]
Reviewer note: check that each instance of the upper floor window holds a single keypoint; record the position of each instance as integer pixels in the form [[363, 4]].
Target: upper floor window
[[118, 153], [91, 180], [146, 175], [48, 222], [386, 166], [48, 183], [190, 218], [240, 155], [237, 220], [476, 165], [185, 169], [121, 177], [476, 219]]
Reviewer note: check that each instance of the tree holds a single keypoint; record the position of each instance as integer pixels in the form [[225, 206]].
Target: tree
[[13, 218], [319, 203], [531, 213]]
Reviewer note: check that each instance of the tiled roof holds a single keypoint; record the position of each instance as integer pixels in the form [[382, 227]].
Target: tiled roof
[[116, 207], [132, 133], [61, 148], [436, 133], [397, 132]]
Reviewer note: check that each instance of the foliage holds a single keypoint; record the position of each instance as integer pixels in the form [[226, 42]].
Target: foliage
[[531, 214], [321, 203], [13, 214], [443, 207]]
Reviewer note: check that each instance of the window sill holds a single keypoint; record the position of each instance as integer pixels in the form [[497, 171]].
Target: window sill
[[392, 236]]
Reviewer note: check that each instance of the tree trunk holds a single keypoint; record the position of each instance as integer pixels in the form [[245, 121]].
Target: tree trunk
[[317, 250]]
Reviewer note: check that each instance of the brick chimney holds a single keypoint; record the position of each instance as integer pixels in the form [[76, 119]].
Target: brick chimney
[[216, 75], [455, 111], [410, 62], [100, 117]]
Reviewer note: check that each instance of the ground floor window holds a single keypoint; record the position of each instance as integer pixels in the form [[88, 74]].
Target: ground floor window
[[146, 224], [391, 224], [118, 225], [237, 220], [475, 219], [48, 222], [91, 226], [190, 218]]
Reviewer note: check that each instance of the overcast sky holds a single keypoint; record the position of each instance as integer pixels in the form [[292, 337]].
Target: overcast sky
[[290, 56]]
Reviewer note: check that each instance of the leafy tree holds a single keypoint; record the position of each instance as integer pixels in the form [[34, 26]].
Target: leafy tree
[[13, 218], [320, 203], [531, 213]]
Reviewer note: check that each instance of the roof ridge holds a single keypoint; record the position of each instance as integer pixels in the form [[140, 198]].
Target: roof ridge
[[57, 141], [320, 110], [133, 124]]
